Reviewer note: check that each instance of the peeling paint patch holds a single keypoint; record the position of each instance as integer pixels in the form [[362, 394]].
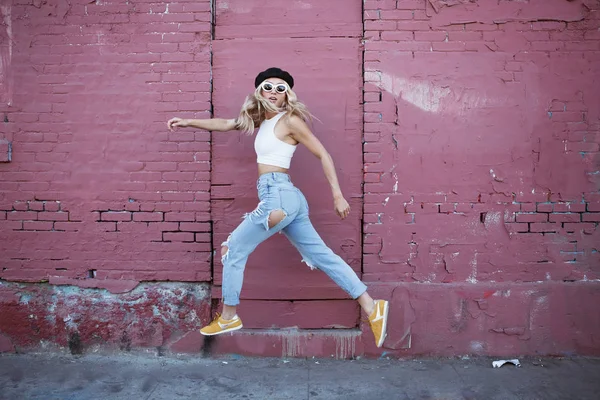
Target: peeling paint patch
[[421, 94], [473, 276], [63, 315]]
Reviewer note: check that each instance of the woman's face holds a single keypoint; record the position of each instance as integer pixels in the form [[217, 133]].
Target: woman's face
[[275, 96]]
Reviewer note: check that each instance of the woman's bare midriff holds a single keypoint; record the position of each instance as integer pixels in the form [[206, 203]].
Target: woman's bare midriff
[[264, 169]]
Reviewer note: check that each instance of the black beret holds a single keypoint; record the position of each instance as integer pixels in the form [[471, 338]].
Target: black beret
[[274, 73]]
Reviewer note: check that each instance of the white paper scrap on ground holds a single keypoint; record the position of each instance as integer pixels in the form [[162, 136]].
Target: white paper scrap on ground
[[499, 363]]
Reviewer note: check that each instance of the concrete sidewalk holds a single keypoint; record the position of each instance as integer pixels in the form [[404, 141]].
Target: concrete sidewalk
[[142, 376]]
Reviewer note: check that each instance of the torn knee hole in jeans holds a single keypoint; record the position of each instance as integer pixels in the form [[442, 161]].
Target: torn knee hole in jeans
[[225, 249]]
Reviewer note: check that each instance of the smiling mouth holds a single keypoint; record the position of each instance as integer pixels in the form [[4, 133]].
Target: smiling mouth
[[273, 99]]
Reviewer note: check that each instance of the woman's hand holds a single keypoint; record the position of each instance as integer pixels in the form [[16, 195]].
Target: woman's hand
[[342, 208], [177, 123]]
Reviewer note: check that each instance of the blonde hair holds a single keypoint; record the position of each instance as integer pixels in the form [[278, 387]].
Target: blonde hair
[[255, 108]]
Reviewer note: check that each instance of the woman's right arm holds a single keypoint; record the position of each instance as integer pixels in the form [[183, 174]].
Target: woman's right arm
[[213, 124]]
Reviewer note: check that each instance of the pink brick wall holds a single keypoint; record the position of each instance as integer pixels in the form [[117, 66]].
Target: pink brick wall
[[481, 167], [97, 185], [481, 141], [481, 196]]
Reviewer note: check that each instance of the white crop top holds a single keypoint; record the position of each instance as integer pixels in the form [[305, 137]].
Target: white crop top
[[269, 148]]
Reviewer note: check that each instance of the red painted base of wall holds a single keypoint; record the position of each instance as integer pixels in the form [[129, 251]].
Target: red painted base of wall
[[425, 319]]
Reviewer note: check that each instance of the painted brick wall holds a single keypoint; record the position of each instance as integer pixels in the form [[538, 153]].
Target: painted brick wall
[[481, 192], [481, 166], [97, 187]]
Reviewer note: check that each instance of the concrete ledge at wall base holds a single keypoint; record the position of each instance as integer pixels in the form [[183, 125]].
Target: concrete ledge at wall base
[[38, 316], [492, 319], [5, 151], [483, 319]]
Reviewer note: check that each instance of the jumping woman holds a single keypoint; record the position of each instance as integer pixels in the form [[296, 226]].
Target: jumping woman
[[282, 121]]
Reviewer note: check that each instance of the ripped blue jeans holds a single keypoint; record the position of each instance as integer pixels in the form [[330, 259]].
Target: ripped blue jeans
[[276, 192]]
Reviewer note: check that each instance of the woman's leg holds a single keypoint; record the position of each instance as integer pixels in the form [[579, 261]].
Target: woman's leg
[[236, 249], [269, 217], [316, 254]]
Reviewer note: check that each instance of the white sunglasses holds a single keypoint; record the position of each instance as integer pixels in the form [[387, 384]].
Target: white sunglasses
[[269, 87]]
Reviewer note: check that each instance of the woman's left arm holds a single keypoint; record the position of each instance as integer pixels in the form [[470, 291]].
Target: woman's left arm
[[302, 134]]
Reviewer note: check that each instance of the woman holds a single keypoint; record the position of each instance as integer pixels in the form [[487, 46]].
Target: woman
[[282, 119]]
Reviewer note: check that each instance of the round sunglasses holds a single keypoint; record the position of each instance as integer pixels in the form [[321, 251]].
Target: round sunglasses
[[269, 87]]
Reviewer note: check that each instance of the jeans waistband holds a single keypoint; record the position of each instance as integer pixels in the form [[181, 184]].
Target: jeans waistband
[[274, 177]]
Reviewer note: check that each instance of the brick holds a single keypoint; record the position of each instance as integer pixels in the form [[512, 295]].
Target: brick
[[178, 176], [21, 206], [396, 14], [178, 237], [371, 157], [434, 36], [148, 216], [12, 225], [465, 36], [371, 97], [379, 4], [67, 226], [195, 226], [541, 207], [593, 207], [168, 196], [21, 215], [115, 216], [380, 25], [543, 227], [513, 66], [413, 26], [480, 27], [590, 217], [517, 227], [372, 177], [565, 217], [194, 166], [448, 46], [372, 35], [370, 219], [205, 237], [587, 228], [38, 225], [53, 216], [583, 147], [410, 5], [180, 216], [429, 197], [397, 36], [548, 25], [160, 166], [5, 150], [531, 217], [569, 207], [371, 14]]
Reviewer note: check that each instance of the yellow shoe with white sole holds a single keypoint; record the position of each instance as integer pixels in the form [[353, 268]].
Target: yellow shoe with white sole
[[378, 321], [220, 325]]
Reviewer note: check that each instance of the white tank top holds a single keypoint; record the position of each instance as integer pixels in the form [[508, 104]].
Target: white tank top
[[269, 148]]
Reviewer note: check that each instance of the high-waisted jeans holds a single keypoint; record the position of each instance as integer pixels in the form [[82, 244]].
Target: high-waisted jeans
[[276, 192]]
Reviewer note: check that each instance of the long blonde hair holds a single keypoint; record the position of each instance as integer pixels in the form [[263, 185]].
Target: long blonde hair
[[255, 108]]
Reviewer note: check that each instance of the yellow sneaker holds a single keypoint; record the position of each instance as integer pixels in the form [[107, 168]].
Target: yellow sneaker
[[220, 325], [378, 321]]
